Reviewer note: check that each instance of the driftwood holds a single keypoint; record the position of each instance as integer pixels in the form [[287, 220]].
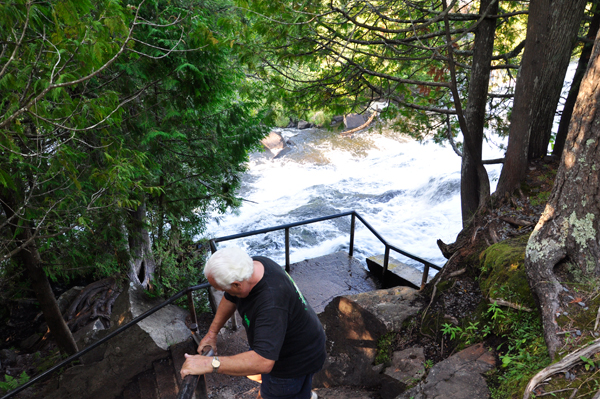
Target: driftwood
[[562, 366]]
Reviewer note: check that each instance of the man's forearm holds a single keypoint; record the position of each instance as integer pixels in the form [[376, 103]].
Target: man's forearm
[[246, 363], [225, 310]]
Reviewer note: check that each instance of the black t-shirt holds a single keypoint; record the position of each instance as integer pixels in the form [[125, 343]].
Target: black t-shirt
[[280, 323]]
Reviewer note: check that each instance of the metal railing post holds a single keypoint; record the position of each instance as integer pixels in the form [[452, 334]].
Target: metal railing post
[[386, 260], [352, 225], [287, 249], [213, 246]]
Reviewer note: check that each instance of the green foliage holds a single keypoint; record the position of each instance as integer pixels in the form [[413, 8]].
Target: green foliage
[[93, 125], [11, 382], [384, 348]]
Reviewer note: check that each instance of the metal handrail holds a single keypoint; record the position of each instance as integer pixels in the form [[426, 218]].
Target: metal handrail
[[118, 331], [354, 215]]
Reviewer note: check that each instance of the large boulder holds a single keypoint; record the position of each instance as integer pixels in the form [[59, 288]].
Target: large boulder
[[275, 145], [354, 324], [458, 377], [352, 121], [107, 369]]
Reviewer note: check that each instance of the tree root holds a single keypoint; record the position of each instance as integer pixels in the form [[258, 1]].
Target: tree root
[[561, 366], [95, 301], [361, 127]]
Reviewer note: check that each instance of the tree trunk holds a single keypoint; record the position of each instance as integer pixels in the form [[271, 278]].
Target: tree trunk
[[142, 265], [551, 31], [474, 183], [563, 127], [567, 233], [31, 261]]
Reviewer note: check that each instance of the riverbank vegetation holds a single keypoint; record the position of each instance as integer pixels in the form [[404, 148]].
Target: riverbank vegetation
[[124, 127]]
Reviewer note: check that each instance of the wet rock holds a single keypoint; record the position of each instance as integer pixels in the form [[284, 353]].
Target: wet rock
[[407, 365], [458, 377], [354, 324], [275, 145]]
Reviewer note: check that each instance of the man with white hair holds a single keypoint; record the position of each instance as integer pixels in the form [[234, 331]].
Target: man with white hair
[[286, 338]]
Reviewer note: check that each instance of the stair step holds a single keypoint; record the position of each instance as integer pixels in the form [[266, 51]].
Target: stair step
[[148, 386], [165, 378]]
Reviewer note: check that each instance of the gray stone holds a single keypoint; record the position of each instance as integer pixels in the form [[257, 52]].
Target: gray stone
[[88, 333], [275, 144], [352, 121], [354, 324], [407, 365], [7, 356], [304, 125], [107, 369], [458, 377]]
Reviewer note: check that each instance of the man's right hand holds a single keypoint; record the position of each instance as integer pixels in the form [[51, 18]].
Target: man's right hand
[[210, 339]]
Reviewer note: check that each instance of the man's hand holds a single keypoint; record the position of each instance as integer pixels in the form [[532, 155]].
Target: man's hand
[[210, 339], [196, 365]]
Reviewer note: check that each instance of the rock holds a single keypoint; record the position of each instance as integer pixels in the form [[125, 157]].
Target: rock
[[87, 334], [30, 341], [292, 124], [337, 119], [407, 365], [352, 121], [109, 367], [275, 145], [8, 357], [304, 125], [458, 377], [354, 324]]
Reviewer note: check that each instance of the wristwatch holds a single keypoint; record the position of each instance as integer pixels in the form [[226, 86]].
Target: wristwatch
[[216, 363]]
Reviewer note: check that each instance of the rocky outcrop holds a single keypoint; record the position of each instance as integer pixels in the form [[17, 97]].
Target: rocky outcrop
[[458, 377], [107, 369], [354, 324]]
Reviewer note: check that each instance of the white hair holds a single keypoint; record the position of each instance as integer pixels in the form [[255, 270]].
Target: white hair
[[228, 265]]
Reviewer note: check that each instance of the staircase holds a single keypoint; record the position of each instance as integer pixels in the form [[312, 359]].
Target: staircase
[[163, 380]]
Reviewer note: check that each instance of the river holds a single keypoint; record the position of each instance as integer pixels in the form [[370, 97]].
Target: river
[[408, 191]]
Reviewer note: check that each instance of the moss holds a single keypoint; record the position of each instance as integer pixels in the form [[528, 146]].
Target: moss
[[503, 272], [384, 348]]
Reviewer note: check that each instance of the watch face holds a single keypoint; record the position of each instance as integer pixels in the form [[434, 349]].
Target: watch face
[[215, 362]]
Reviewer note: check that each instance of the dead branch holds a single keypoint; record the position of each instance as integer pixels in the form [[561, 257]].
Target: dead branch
[[516, 306], [566, 363], [457, 273]]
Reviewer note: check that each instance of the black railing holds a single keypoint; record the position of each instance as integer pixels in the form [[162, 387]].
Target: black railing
[[118, 331], [354, 215]]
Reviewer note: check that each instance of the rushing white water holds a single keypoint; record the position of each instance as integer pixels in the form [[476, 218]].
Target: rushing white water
[[408, 191]]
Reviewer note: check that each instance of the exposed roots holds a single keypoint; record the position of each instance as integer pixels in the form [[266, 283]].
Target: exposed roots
[[560, 367], [93, 302]]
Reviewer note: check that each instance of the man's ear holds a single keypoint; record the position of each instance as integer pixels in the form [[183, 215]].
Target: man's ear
[[236, 285]]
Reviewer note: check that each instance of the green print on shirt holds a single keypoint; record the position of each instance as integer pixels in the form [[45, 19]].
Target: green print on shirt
[[246, 321], [298, 291]]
